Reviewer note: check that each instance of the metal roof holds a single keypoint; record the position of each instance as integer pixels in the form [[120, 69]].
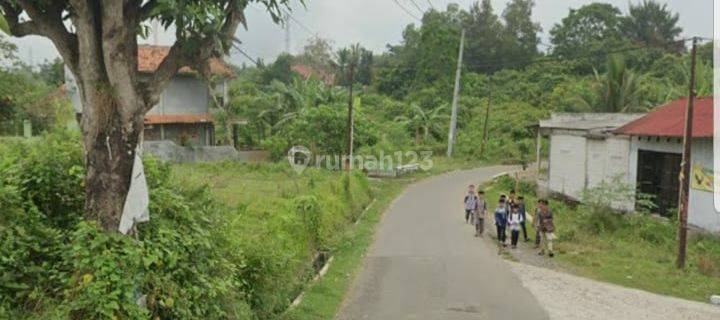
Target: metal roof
[[588, 121], [669, 120]]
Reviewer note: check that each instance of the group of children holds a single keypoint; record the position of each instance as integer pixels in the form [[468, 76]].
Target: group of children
[[510, 214]]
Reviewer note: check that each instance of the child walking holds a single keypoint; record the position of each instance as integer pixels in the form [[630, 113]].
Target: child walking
[[547, 228], [480, 213], [471, 201], [501, 215], [514, 221], [523, 216]]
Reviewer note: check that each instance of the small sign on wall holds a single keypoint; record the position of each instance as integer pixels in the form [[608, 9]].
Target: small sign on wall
[[702, 178]]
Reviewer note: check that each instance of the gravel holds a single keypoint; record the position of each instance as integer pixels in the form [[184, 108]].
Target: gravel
[[565, 296]]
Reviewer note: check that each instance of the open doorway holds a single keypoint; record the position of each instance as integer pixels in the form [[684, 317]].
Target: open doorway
[[658, 176]]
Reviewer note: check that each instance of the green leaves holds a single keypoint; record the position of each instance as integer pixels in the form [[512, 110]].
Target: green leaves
[[4, 27]]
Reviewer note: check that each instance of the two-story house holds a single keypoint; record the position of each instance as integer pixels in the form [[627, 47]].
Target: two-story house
[[183, 113]]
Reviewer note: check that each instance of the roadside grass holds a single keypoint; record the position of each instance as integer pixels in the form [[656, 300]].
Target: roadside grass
[[634, 250], [263, 192], [323, 298]]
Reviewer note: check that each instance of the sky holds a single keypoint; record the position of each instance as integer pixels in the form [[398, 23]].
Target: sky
[[377, 23]]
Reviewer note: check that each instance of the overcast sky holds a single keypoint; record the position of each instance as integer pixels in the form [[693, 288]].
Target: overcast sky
[[376, 23]]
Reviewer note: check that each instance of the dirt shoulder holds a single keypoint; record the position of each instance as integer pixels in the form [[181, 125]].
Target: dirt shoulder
[[566, 296]]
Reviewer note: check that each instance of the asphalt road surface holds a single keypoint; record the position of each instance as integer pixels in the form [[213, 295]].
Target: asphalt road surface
[[426, 263]]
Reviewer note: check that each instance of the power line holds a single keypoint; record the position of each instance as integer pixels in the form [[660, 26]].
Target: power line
[[237, 47], [303, 26], [406, 10], [431, 5], [415, 4]]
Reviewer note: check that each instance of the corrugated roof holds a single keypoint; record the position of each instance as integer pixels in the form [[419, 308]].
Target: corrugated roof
[[150, 57], [588, 121], [177, 118], [669, 120]]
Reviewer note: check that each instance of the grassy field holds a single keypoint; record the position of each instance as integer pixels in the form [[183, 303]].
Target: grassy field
[[635, 251], [264, 192]]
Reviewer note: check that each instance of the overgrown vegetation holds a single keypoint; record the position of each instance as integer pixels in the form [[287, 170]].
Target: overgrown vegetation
[[197, 259], [634, 250], [403, 99]]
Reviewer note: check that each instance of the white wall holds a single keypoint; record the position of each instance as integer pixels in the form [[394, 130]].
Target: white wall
[[184, 95], [567, 164], [701, 212]]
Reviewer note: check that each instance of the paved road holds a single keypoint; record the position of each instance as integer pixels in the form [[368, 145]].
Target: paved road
[[426, 264]]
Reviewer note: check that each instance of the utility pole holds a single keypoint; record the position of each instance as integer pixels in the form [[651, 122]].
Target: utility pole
[[686, 163], [453, 118], [487, 118], [287, 32], [350, 119]]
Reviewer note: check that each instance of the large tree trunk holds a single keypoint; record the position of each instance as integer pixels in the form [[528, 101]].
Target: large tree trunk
[[110, 145]]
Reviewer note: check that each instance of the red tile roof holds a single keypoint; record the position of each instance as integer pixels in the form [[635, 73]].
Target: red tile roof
[[669, 120], [308, 72], [177, 118], [150, 57]]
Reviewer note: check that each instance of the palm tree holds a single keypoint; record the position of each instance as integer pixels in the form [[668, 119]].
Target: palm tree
[[423, 123], [652, 23], [618, 90]]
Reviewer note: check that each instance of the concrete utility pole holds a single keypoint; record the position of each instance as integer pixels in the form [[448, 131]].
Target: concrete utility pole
[[485, 125], [453, 118], [686, 163], [350, 120]]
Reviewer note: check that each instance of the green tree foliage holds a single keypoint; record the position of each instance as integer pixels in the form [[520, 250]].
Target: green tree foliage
[[590, 30], [520, 39], [653, 24], [318, 54], [52, 72], [618, 90], [280, 70], [423, 123], [484, 33]]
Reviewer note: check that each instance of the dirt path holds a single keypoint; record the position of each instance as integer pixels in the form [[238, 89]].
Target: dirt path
[[568, 297]]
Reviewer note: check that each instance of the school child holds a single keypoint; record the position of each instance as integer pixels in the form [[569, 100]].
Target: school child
[[514, 222], [547, 228], [470, 201], [523, 216], [501, 215], [536, 224], [480, 213]]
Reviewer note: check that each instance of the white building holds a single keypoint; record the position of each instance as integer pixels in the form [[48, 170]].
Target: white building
[[583, 152], [656, 153]]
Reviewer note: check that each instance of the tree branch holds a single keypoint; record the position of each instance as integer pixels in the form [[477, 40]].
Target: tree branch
[[147, 8], [48, 24], [178, 56]]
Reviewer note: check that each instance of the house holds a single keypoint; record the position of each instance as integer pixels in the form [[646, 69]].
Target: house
[[183, 113], [655, 154], [307, 72], [583, 151]]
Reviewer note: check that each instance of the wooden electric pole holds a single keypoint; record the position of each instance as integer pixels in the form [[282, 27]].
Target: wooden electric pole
[[686, 164], [453, 118], [485, 125], [350, 120]]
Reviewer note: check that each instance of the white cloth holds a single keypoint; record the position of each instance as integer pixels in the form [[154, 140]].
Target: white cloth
[[471, 202], [137, 201], [514, 221]]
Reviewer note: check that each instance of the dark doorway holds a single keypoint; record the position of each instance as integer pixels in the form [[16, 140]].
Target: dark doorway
[[658, 176]]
